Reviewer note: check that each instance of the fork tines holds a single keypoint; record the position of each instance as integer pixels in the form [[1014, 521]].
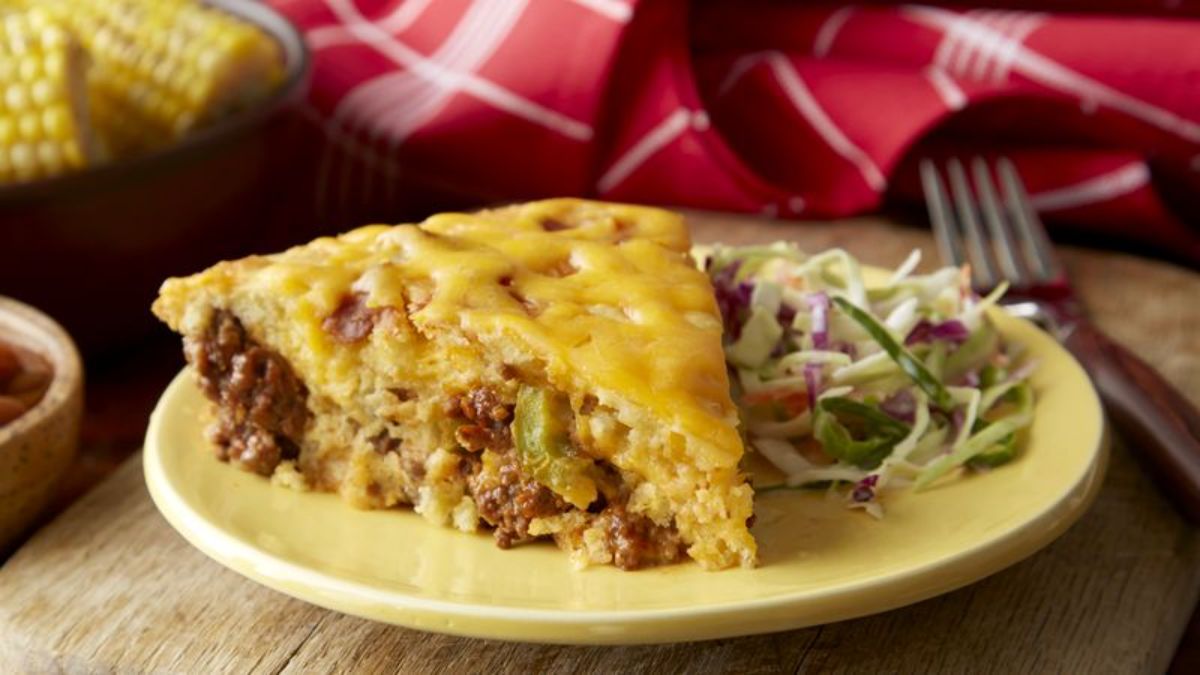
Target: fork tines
[[1011, 244]]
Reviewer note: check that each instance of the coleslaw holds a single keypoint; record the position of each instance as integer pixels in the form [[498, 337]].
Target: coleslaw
[[865, 389]]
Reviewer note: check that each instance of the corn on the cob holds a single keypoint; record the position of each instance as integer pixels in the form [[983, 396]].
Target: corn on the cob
[[45, 127], [165, 67]]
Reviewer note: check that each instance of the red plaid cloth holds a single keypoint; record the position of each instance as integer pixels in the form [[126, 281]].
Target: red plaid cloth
[[788, 110]]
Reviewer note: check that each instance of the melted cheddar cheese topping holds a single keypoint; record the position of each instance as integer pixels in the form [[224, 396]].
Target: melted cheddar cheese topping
[[596, 298]]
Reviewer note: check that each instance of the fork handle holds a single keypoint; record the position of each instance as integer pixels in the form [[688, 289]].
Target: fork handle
[[1158, 421]]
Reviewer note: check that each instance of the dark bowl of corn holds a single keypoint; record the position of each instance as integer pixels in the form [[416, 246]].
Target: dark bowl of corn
[[140, 139]]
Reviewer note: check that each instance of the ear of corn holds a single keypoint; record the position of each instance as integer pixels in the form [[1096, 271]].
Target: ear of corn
[[166, 67], [82, 80], [44, 118]]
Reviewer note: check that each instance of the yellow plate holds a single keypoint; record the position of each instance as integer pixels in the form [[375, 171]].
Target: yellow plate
[[820, 561]]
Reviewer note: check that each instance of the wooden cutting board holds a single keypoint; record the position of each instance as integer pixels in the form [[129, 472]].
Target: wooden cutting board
[[108, 586]]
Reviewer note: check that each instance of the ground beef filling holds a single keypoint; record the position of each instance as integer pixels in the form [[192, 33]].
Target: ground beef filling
[[261, 411], [509, 502], [505, 500], [488, 421]]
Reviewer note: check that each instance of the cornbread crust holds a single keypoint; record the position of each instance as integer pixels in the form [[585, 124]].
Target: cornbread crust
[[387, 327]]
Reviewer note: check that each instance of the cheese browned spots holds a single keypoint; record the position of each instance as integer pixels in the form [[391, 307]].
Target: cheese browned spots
[[598, 301]]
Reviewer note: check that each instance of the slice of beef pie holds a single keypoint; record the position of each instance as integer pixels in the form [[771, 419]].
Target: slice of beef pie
[[552, 369]]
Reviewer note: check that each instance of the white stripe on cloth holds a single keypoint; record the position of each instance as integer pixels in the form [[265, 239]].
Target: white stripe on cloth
[[989, 60], [613, 9], [945, 52], [985, 59], [660, 136], [391, 107], [806, 104], [397, 22], [1017, 35], [404, 15], [828, 32], [738, 70], [1054, 75], [401, 103], [1100, 188], [481, 88], [947, 89], [969, 52]]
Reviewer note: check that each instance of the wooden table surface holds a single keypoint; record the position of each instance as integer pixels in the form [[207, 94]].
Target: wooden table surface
[[108, 586]]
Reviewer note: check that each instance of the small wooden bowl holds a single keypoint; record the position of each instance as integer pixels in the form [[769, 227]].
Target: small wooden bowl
[[37, 448]]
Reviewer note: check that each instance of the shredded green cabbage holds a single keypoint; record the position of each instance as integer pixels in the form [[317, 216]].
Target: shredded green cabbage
[[866, 389]]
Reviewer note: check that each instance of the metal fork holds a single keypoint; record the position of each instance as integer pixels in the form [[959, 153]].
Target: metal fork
[[986, 220]]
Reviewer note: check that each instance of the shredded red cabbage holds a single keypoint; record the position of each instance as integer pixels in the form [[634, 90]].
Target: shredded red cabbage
[[819, 304], [783, 347], [957, 419], [733, 297], [846, 348], [902, 406], [785, 314], [947, 331], [864, 490], [812, 382]]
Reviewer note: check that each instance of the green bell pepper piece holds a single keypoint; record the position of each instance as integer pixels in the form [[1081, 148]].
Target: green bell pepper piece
[[856, 433], [541, 433], [903, 358]]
